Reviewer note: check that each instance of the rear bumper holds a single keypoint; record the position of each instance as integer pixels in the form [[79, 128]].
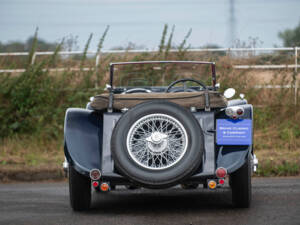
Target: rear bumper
[[117, 179]]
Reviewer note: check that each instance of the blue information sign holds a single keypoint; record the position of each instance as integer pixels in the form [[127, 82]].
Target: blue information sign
[[234, 132]]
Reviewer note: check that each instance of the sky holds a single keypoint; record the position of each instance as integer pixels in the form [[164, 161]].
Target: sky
[[141, 21]]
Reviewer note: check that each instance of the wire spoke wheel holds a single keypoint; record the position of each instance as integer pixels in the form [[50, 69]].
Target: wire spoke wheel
[[157, 144], [157, 141]]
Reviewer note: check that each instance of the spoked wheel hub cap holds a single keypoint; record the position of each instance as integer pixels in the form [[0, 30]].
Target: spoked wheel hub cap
[[157, 141]]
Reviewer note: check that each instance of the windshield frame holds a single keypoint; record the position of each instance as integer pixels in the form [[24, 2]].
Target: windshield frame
[[213, 68]]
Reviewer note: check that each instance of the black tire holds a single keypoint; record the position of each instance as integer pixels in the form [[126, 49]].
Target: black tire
[[241, 186], [80, 190], [166, 177], [230, 182]]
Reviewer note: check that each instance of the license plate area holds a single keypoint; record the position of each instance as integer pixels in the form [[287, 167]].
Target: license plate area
[[234, 132]]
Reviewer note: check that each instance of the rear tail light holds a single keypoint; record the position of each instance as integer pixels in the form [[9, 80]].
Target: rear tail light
[[229, 111], [104, 187], [212, 184], [221, 181], [221, 172], [95, 184], [240, 111], [95, 174], [234, 112]]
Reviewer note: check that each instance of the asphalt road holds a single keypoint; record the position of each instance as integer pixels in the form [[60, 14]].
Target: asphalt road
[[275, 201]]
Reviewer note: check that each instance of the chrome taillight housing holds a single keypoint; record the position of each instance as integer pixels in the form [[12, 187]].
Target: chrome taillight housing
[[234, 112], [95, 174]]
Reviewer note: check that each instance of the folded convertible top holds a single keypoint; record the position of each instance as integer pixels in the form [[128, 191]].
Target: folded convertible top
[[184, 99]]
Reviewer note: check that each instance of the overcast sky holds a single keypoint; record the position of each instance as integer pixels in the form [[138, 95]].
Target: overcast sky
[[141, 21]]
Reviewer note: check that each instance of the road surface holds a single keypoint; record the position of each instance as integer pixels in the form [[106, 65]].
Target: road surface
[[275, 201]]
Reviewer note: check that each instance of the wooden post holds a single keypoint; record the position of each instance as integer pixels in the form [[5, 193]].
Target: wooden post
[[96, 68], [296, 75], [33, 58]]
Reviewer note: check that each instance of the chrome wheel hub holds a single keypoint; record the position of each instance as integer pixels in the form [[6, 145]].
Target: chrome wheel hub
[[157, 142], [156, 137]]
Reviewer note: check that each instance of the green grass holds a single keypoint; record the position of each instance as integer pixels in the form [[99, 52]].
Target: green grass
[[278, 162], [268, 168]]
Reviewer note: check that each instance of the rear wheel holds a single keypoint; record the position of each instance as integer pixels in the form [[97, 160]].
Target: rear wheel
[[241, 185], [80, 190]]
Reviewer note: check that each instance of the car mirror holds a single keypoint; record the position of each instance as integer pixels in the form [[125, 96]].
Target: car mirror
[[229, 93]]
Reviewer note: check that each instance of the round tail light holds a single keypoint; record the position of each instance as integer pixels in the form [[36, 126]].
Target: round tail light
[[95, 184], [221, 172], [221, 181], [212, 184], [95, 174], [240, 111], [104, 187], [229, 111]]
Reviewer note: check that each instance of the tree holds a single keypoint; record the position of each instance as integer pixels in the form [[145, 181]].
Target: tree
[[17, 46], [290, 37]]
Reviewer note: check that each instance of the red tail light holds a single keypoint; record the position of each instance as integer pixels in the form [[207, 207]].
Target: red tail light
[[95, 184], [221, 181], [221, 172], [240, 111]]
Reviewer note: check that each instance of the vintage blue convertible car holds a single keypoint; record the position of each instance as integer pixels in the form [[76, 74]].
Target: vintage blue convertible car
[[158, 126]]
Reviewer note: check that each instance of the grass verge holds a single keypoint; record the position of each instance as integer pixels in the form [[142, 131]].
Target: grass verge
[[30, 158], [278, 162]]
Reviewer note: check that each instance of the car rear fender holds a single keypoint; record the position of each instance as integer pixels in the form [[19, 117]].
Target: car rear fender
[[83, 139], [232, 157]]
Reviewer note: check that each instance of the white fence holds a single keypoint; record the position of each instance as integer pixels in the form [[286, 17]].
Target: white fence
[[250, 51]]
